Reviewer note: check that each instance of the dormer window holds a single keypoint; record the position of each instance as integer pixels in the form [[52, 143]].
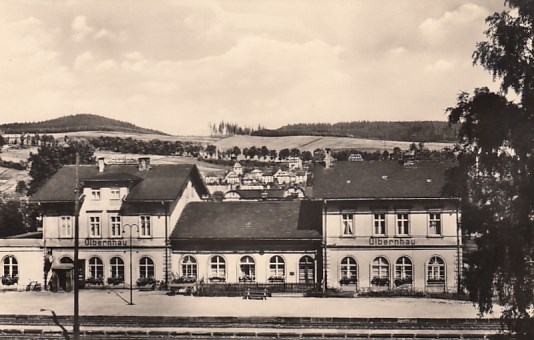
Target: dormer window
[[114, 193], [95, 193]]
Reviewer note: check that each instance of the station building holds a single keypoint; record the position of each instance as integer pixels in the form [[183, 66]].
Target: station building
[[267, 242], [388, 225], [125, 208]]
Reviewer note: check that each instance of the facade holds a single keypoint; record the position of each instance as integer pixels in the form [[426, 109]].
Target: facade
[[125, 210], [252, 242], [21, 262], [388, 226]]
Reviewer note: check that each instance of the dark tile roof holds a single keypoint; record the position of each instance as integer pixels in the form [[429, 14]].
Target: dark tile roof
[[380, 179], [251, 194], [250, 220], [163, 182]]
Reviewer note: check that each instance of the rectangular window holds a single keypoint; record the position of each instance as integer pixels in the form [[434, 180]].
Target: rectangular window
[[403, 225], [145, 229], [65, 226], [434, 225], [95, 229], [379, 222], [95, 193], [347, 223], [114, 193], [115, 226]]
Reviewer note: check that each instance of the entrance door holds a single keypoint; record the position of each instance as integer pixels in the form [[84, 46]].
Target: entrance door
[[306, 270]]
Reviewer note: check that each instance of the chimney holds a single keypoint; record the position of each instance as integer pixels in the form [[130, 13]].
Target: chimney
[[144, 163], [327, 158], [101, 164]]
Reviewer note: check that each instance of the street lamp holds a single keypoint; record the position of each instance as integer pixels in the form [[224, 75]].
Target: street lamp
[[131, 270]]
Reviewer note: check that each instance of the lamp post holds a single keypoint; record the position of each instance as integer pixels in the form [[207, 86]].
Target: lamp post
[[131, 270]]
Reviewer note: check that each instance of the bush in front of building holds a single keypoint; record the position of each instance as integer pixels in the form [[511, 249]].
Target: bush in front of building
[[415, 294]]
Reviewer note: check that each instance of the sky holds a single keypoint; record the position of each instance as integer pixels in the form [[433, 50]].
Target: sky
[[177, 66]]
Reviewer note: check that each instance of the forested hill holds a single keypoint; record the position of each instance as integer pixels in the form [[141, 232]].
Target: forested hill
[[413, 131], [73, 123]]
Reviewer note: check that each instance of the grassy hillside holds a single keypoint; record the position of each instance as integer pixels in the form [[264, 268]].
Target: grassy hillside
[[310, 143], [416, 131], [79, 122]]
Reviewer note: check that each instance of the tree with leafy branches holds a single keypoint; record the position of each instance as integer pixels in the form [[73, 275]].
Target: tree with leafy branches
[[496, 166], [50, 158]]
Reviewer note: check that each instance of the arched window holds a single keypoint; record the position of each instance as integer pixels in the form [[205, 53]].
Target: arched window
[[66, 259], [306, 270], [403, 271], [96, 268], [189, 267], [348, 271], [277, 268], [146, 267], [380, 272], [217, 269], [11, 267], [248, 269], [116, 265], [436, 270]]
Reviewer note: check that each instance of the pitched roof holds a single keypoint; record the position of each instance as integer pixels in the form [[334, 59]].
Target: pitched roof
[[249, 220], [261, 193], [380, 179], [163, 182]]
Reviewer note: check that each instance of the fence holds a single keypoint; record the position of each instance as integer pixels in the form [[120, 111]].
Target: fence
[[239, 289]]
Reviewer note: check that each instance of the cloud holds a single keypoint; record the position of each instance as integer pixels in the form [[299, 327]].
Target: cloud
[[83, 59], [80, 28]]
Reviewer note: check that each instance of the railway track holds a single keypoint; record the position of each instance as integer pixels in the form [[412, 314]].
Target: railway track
[[155, 327]]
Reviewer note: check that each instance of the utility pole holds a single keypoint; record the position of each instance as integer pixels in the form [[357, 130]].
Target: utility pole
[[76, 325]]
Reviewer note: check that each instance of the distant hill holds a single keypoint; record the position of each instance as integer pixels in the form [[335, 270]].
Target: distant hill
[[73, 123], [413, 131]]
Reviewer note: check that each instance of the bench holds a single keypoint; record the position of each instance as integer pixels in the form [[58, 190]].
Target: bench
[[256, 294], [189, 288]]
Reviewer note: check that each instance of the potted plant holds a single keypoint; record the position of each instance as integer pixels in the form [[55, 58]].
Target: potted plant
[[145, 281], [380, 281], [345, 280], [115, 280], [246, 278], [8, 280], [217, 279], [401, 282], [274, 278]]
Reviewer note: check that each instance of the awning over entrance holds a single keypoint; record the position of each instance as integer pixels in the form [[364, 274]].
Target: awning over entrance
[[62, 266]]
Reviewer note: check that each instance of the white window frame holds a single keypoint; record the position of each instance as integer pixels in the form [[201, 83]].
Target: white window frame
[[95, 224], [115, 222], [433, 218], [277, 266], [96, 194], [114, 193], [218, 267], [347, 222], [436, 269], [145, 226], [65, 226], [379, 222], [189, 267], [146, 267], [402, 224]]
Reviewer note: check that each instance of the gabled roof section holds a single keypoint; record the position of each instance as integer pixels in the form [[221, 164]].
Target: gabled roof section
[[380, 179], [163, 182], [250, 220]]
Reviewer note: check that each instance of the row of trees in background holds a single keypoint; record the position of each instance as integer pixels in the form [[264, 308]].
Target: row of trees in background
[[425, 131], [228, 129]]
